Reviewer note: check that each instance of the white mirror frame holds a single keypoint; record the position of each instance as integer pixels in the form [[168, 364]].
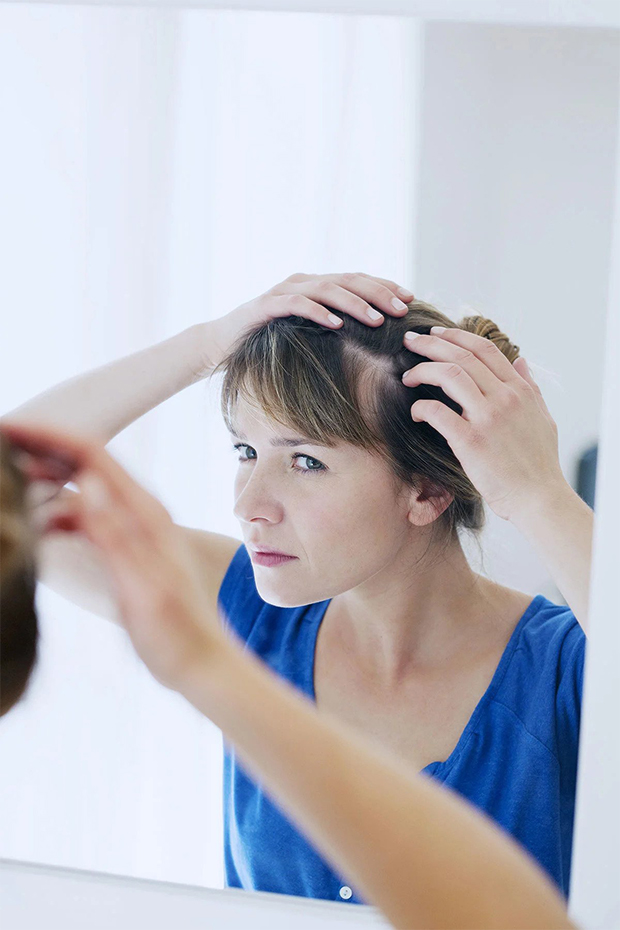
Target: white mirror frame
[[595, 894]]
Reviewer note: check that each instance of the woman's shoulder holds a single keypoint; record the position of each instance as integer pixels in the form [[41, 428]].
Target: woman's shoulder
[[536, 628], [543, 680], [551, 627]]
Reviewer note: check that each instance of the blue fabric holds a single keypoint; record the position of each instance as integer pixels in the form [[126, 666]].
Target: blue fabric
[[516, 758]]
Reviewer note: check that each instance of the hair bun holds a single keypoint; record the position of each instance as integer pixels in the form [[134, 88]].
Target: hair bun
[[481, 326]]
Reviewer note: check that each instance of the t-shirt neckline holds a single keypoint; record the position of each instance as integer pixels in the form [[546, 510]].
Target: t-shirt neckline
[[485, 700]]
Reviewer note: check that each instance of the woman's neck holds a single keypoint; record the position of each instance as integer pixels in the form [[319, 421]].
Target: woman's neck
[[405, 618]]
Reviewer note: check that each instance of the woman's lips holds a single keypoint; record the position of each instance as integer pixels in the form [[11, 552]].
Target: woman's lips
[[265, 558]]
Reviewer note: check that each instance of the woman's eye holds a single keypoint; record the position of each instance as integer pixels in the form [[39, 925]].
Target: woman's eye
[[238, 447], [321, 467], [316, 467]]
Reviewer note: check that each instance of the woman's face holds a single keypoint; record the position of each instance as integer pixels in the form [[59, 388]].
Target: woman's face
[[336, 509]]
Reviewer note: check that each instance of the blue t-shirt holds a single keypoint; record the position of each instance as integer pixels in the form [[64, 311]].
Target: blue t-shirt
[[516, 758]]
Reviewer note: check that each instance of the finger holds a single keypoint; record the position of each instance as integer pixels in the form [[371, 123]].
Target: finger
[[376, 293], [296, 304], [49, 446], [453, 380], [86, 453], [403, 292], [118, 533], [133, 565], [313, 298], [337, 297], [483, 349], [43, 467], [40, 449], [441, 350], [449, 423], [57, 515]]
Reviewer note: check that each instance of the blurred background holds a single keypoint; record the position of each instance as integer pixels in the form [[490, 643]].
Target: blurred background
[[159, 167]]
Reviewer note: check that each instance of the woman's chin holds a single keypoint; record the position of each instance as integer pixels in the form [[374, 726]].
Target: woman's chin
[[274, 595]]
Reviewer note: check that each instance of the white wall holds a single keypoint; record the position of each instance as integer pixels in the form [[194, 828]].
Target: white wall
[[519, 129]]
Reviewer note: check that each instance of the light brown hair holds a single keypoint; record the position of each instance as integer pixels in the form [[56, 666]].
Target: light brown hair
[[345, 385]]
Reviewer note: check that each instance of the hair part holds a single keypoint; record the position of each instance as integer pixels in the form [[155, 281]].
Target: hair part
[[345, 385]]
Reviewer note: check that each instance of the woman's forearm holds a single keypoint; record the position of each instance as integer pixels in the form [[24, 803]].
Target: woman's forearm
[[411, 847], [560, 526], [102, 402]]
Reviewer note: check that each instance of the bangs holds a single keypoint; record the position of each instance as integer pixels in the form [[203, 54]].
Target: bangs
[[294, 369]]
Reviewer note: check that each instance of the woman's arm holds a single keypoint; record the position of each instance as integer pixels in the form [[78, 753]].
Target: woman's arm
[[102, 402], [560, 525]]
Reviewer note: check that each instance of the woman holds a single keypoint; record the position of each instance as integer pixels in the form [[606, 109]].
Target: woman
[[421, 854], [377, 615]]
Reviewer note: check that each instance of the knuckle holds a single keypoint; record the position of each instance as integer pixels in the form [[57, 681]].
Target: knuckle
[[488, 347], [453, 370], [324, 288], [295, 302], [433, 407], [464, 355]]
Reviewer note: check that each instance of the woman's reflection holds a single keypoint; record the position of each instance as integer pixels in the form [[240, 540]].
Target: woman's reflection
[[363, 454]]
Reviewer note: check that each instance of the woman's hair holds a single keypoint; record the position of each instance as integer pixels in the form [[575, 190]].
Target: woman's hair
[[345, 384], [18, 620]]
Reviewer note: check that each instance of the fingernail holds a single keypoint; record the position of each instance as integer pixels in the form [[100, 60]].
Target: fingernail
[[408, 295], [436, 330], [374, 314], [334, 319], [398, 304], [410, 335]]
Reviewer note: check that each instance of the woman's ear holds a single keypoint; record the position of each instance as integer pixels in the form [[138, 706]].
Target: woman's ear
[[427, 503]]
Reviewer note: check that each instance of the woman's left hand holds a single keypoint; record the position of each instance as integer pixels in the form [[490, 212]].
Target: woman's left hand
[[156, 577], [505, 438]]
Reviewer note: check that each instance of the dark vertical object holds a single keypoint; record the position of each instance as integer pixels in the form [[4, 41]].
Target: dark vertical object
[[586, 475]]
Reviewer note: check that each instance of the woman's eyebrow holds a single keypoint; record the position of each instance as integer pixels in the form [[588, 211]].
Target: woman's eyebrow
[[283, 441]]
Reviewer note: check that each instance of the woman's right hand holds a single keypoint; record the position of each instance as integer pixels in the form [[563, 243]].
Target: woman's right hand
[[312, 296]]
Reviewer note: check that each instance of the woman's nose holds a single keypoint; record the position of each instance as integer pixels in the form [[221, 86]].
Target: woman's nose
[[254, 498]]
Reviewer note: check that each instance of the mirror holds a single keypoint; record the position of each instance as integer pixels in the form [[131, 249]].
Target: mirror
[[166, 165]]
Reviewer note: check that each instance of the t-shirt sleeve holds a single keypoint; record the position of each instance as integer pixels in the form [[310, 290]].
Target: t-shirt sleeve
[[570, 692], [239, 603]]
